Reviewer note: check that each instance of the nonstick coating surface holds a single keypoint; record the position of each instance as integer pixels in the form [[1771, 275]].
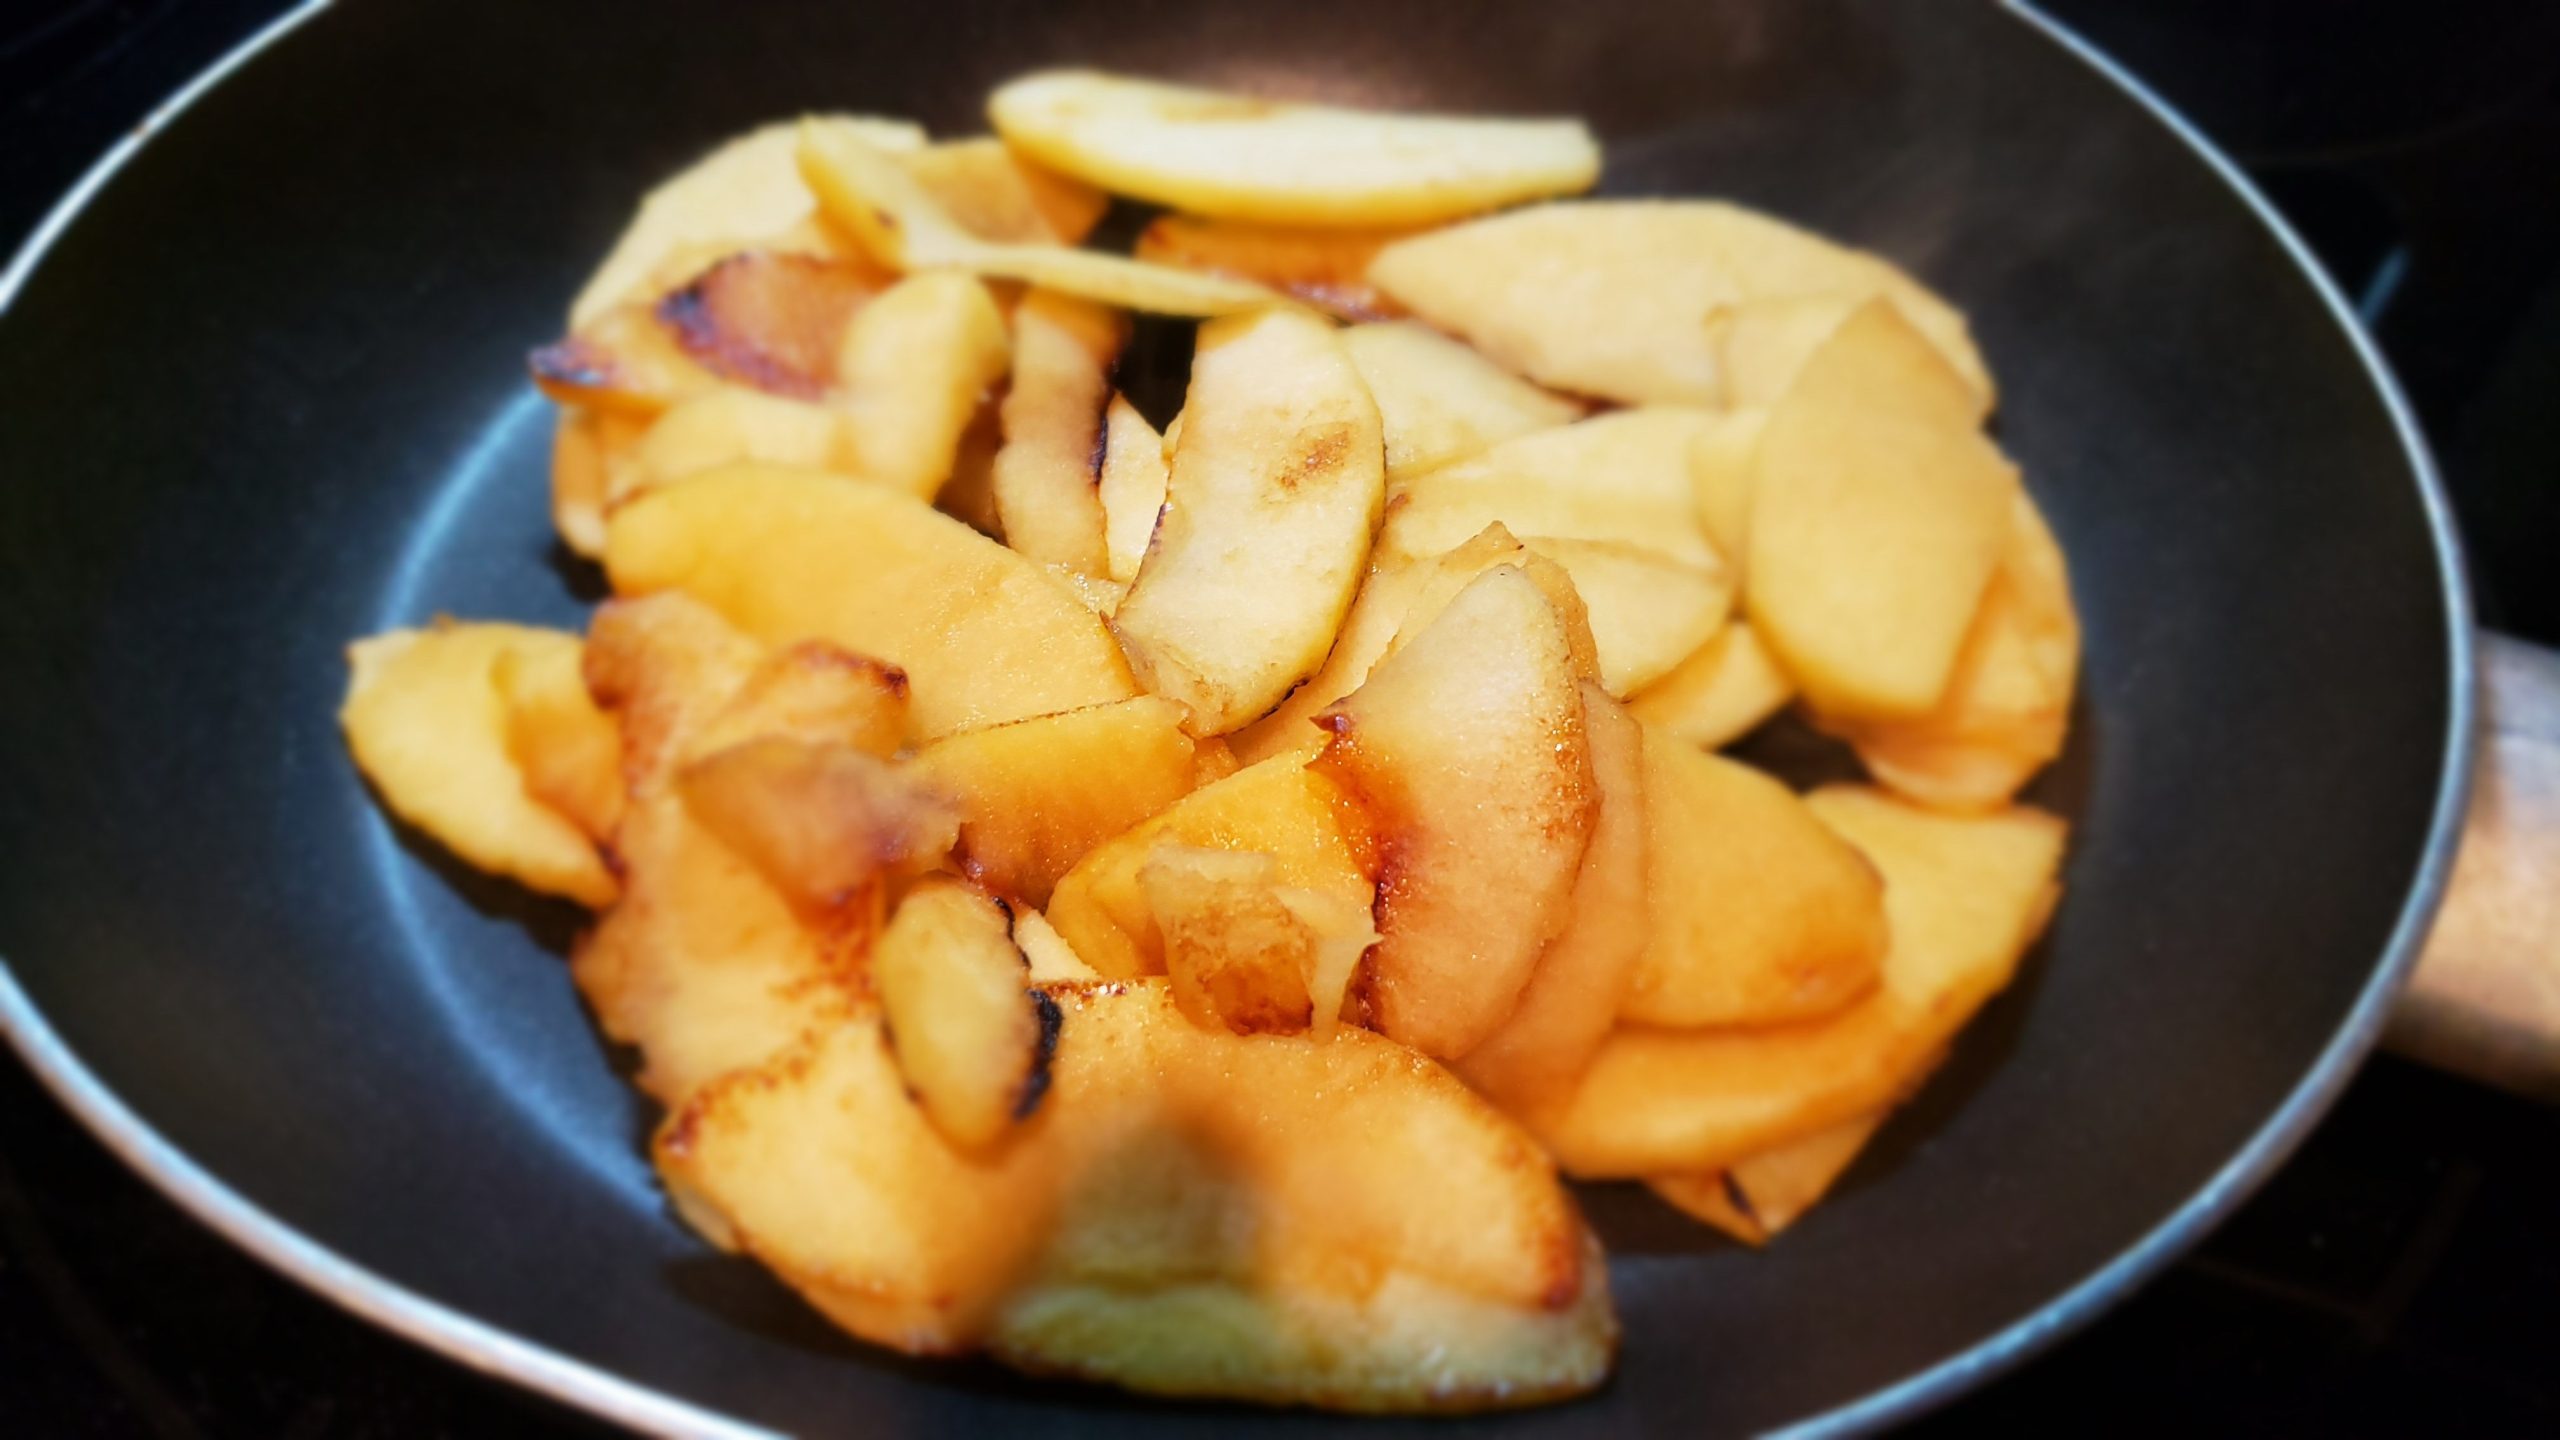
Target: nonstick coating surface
[[266, 394]]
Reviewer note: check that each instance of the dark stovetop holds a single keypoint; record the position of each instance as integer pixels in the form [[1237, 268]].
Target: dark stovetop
[[2400, 1276]]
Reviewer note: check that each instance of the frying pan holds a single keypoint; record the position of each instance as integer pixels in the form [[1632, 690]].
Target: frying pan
[[264, 393]]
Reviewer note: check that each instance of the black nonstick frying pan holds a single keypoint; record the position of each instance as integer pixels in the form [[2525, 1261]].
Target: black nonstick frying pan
[[261, 390]]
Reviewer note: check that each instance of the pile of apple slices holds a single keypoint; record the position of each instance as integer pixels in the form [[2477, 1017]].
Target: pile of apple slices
[[1167, 906]]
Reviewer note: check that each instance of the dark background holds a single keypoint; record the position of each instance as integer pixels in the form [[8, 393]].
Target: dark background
[[2400, 1276]]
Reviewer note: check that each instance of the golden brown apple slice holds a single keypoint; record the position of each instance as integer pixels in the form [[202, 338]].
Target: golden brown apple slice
[[1765, 1193], [1048, 475], [824, 823], [898, 222], [624, 361], [1189, 1212], [1441, 401], [740, 195], [428, 726], [772, 321], [1966, 896], [1878, 516], [1238, 958], [1648, 612], [1326, 267], [971, 1038], [1467, 747], [1302, 820], [983, 635], [995, 194], [2008, 705], [1273, 497], [812, 692], [915, 363], [1624, 476], [1761, 914], [1211, 153], [1572, 997], [581, 473], [1722, 692], [1037, 795], [1131, 487], [1612, 298], [728, 425], [568, 751]]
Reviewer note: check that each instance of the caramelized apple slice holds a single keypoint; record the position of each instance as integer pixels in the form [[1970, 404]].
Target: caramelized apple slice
[[771, 321], [727, 425], [992, 192], [824, 823], [624, 361], [1048, 475], [1326, 267], [915, 364], [568, 751], [1763, 1194], [971, 1039], [1131, 487]]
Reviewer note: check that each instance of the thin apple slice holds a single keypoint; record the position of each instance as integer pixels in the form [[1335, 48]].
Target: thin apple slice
[[915, 364], [1762, 915], [623, 361], [983, 635], [1623, 476], [1966, 896], [1467, 747], [567, 750], [1877, 519], [972, 1039], [1319, 838], [1723, 691], [1135, 470], [1047, 479], [1268, 514], [428, 726], [1246, 950], [1232, 156], [1572, 998], [1326, 266], [824, 823], [1441, 401], [992, 192], [1724, 466], [1037, 795], [1648, 612], [1190, 1212], [725, 425], [1763, 1194], [772, 321], [583, 451]]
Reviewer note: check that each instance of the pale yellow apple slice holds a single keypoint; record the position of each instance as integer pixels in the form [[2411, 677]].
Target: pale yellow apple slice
[[1135, 469], [1468, 749], [1037, 795], [1878, 515], [1723, 691], [1441, 401], [1049, 956], [1623, 476], [1763, 1194], [428, 726], [1572, 996], [1761, 914], [1274, 494], [1723, 465], [1648, 611], [1212, 153], [983, 635], [1047, 484], [1966, 896], [897, 221], [1186, 1211], [914, 366], [991, 191], [724, 426], [1612, 298], [1324, 266]]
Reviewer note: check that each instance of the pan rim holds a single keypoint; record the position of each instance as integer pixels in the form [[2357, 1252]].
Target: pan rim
[[494, 1351]]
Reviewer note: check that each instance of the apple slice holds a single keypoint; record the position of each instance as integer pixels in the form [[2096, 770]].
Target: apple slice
[[1761, 914], [972, 1040], [1045, 951], [428, 726], [1623, 476], [1648, 612], [1722, 692], [623, 361], [1326, 267], [1724, 465], [1047, 476], [1878, 516], [992, 192], [1189, 1212], [1763, 1194], [1319, 839], [1441, 401], [983, 635], [915, 364], [1135, 470], [725, 425], [824, 823], [1037, 795], [1268, 514], [1467, 747], [567, 750], [583, 451], [1233, 156], [1572, 998], [771, 320], [1966, 896]]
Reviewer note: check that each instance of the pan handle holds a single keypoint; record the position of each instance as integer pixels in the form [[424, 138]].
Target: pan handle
[[2485, 1001]]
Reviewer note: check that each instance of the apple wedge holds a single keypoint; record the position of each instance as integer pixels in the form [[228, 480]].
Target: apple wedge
[[1763, 1194], [1236, 157], [1273, 497], [1037, 795], [623, 361], [1047, 476], [1624, 476], [428, 725], [1762, 915], [1648, 612], [1611, 298], [1248, 952], [1723, 691], [585, 449], [1724, 466], [1187, 1212], [992, 192], [1878, 517], [825, 824], [566, 749], [1966, 896], [1326, 266], [1467, 748], [971, 1038], [771, 320], [983, 635], [1572, 997], [1441, 401], [914, 366], [1319, 839], [1135, 471], [728, 425]]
